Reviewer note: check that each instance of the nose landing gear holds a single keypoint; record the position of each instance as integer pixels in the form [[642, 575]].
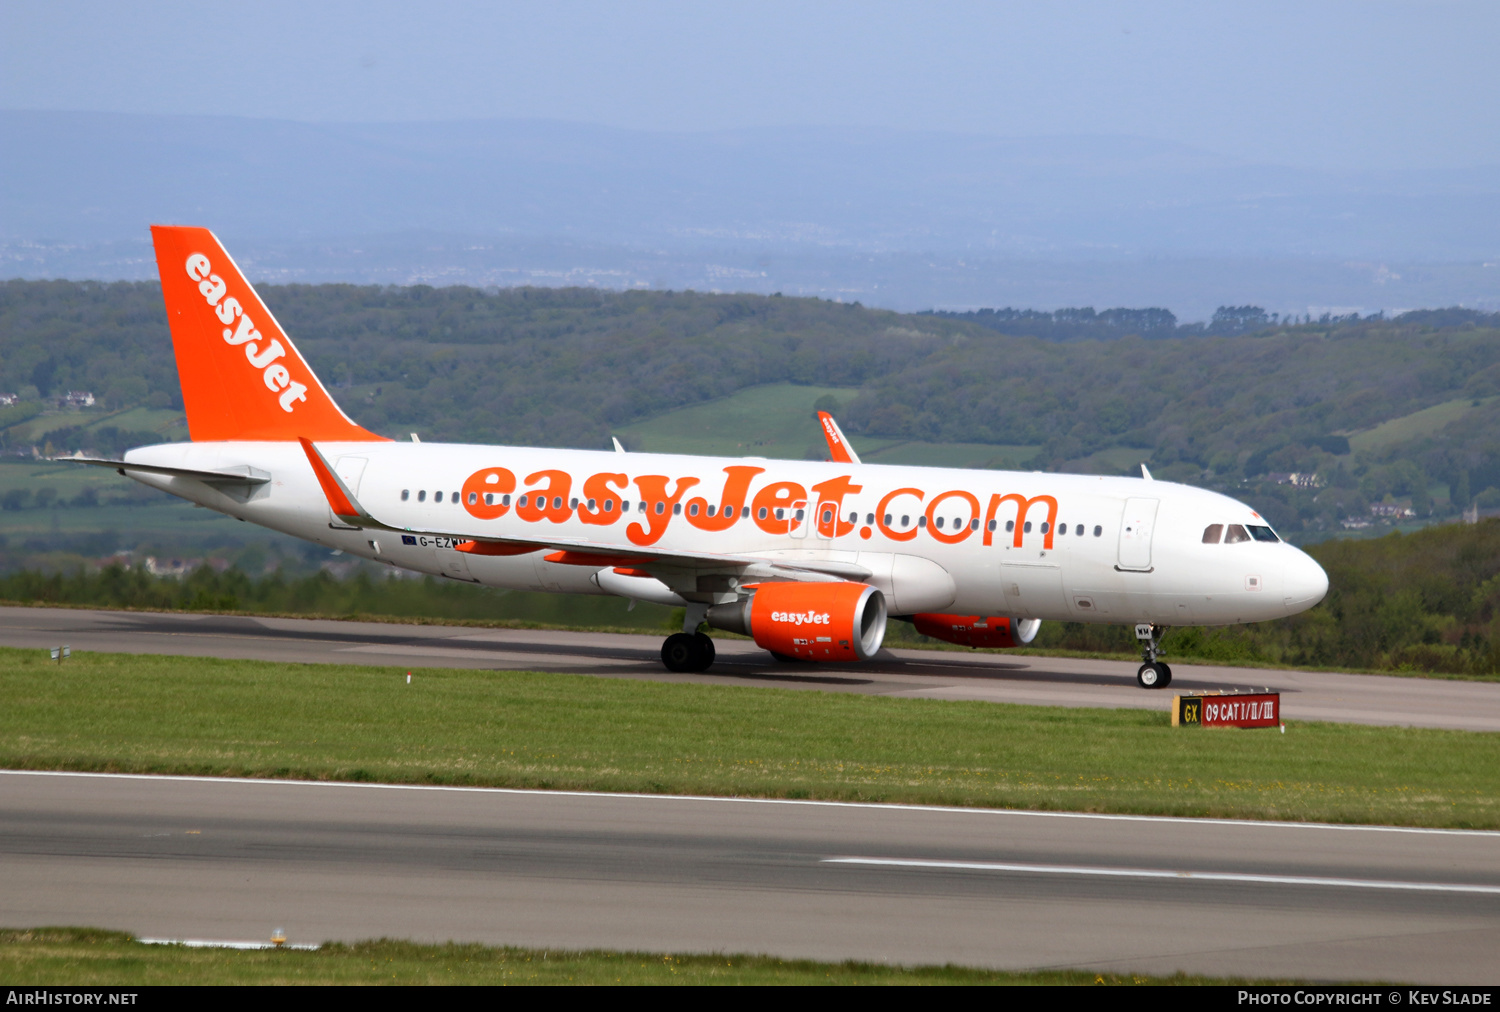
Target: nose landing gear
[[1152, 674]]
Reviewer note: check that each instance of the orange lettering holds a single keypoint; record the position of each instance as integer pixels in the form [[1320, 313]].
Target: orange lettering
[[960, 534], [550, 503], [778, 494], [831, 499], [1023, 505], [654, 491], [886, 528], [493, 482], [735, 487], [596, 488]]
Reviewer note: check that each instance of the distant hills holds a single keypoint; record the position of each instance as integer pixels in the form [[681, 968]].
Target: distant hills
[[1397, 413], [901, 219]]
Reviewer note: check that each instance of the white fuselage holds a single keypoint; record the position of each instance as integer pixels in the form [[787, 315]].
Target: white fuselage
[[1119, 550]]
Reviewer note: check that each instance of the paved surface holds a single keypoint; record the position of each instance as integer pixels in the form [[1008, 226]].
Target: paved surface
[[230, 860], [1366, 699]]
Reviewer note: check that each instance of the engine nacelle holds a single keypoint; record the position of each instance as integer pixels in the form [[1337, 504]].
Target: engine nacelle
[[978, 630], [809, 621]]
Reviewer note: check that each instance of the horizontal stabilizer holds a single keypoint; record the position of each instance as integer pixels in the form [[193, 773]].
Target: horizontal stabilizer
[[239, 474]]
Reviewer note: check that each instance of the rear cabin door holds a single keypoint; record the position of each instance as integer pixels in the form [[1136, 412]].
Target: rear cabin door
[[1136, 527]]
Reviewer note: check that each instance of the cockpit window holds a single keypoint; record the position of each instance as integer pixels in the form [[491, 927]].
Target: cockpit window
[[1263, 534], [1235, 535], [1212, 533]]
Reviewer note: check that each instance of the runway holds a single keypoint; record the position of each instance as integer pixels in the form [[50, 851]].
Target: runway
[[930, 674], [233, 859]]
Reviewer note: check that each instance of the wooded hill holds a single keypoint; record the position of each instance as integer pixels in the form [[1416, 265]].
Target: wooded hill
[[567, 367]]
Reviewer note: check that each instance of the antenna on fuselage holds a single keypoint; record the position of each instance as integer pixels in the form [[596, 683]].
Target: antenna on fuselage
[[618, 447], [1146, 474]]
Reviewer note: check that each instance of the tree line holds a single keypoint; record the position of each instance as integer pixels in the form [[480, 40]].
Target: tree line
[[1427, 602], [1223, 406]]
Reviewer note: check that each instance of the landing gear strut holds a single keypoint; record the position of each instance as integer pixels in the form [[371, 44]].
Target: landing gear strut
[[689, 650], [1152, 674]]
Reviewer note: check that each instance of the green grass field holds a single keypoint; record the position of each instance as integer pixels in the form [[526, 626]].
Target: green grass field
[[81, 957], [523, 729], [1418, 423], [776, 420]]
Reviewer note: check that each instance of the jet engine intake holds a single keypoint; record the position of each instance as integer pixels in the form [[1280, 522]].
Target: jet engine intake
[[809, 621], [977, 630]]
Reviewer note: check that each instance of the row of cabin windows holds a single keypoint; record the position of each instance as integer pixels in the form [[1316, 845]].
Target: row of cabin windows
[[730, 512], [1233, 534]]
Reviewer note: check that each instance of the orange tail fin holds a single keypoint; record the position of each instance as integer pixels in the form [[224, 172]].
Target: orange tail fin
[[242, 378]]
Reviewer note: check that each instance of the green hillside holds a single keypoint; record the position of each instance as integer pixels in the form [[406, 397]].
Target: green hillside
[[1391, 413]]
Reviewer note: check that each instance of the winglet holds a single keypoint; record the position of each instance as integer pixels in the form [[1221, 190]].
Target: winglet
[[1146, 474], [838, 447], [618, 447], [340, 499]]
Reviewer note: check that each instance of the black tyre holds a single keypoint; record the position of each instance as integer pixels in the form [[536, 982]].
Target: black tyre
[[1152, 676], [680, 652], [1166, 675], [706, 652]]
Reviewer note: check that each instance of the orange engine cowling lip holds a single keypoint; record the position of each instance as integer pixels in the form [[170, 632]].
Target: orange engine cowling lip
[[817, 621], [971, 630]]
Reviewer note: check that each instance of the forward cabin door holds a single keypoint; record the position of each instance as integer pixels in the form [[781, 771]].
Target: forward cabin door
[[1136, 527], [349, 470]]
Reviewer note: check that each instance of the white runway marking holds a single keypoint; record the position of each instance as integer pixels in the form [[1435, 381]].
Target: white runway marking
[[710, 799], [1202, 876]]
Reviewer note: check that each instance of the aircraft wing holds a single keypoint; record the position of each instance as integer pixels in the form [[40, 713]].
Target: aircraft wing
[[238, 475], [574, 551], [838, 446]]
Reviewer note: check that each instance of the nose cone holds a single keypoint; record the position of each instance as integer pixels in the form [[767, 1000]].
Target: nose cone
[[1304, 580]]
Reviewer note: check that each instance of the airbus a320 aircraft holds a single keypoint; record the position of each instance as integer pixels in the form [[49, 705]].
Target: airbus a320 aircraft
[[807, 558]]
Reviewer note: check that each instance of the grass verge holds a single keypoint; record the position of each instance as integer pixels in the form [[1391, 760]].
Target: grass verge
[[87, 957], [148, 714]]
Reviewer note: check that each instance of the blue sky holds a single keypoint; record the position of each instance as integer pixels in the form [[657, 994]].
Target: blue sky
[[1383, 85]]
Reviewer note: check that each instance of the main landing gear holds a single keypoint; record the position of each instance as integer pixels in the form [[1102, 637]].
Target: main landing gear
[[689, 650], [1152, 674]]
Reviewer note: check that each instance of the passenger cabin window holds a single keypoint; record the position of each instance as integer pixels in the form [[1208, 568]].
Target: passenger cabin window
[[437, 497], [1098, 531], [1236, 534], [405, 494], [1212, 533], [1078, 530], [422, 495], [1263, 533]]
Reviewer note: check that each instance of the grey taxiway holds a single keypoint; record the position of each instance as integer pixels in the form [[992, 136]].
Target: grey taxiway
[[229, 860]]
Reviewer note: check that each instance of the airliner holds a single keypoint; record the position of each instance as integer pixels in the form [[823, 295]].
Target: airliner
[[810, 559]]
